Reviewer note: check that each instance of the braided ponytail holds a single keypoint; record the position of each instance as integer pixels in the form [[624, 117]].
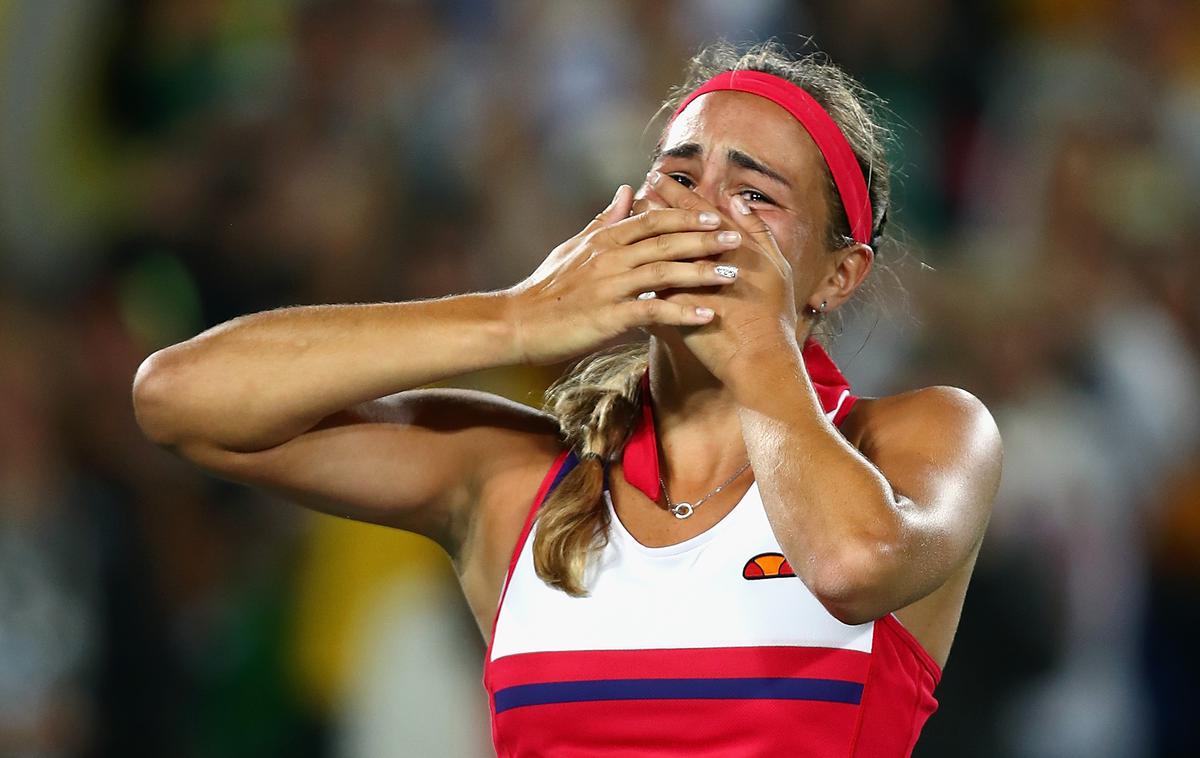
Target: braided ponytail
[[597, 406]]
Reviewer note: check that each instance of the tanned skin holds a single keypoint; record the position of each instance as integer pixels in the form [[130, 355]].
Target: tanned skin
[[884, 515]]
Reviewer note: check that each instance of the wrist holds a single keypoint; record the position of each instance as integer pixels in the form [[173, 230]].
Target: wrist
[[511, 323], [765, 367]]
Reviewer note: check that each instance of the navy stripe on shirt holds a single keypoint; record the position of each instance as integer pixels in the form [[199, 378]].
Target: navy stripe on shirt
[[764, 688]]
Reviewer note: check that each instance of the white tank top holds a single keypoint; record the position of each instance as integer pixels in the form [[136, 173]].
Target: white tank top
[[693, 594], [712, 646]]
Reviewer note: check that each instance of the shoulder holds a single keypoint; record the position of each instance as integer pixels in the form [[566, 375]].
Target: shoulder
[[942, 424], [939, 408]]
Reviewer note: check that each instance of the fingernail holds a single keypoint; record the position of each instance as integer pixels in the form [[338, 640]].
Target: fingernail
[[741, 207], [654, 177], [729, 238], [709, 219], [705, 313], [617, 194], [729, 272]]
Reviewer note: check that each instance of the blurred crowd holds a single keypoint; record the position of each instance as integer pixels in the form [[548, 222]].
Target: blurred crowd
[[166, 165]]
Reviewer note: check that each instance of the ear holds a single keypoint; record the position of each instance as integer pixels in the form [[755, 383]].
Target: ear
[[852, 264]]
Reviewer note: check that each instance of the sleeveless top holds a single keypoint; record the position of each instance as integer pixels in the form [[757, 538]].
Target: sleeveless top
[[709, 647]]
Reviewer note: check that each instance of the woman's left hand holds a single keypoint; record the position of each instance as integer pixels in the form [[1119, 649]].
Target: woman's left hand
[[756, 315]]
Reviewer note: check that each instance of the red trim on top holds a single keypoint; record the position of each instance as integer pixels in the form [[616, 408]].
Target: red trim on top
[[898, 628], [858, 719], [508, 577], [844, 411], [681, 663], [547, 480], [639, 461], [898, 697]]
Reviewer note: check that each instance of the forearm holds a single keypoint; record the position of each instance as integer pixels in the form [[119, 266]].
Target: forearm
[[838, 519], [262, 379]]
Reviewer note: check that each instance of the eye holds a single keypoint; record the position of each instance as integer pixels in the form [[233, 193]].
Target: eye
[[754, 196], [683, 179]]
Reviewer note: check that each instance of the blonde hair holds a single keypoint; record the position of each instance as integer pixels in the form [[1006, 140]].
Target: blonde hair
[[597, 406], [597, 403]]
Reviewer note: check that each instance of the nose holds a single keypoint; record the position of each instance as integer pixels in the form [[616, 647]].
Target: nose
[[714, 188]]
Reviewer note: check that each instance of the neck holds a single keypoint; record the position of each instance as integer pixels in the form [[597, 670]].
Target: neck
[[695, 432], [695, 417]]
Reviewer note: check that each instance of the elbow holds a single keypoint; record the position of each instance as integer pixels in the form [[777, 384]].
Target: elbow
[[154, 389], [852, 584]]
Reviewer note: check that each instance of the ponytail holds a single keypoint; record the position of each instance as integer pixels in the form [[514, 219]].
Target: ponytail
[[597, 406]]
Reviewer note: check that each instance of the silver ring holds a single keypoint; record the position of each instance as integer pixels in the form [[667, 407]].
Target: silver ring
[[682, 510]]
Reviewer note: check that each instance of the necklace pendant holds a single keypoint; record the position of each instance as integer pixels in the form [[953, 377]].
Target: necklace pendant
[[682, 510]]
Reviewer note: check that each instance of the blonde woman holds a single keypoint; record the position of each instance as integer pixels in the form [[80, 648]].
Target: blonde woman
[[706, 544]]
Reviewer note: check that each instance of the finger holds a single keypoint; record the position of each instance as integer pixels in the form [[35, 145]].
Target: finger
[[745, 217], [615, 211], [657, 221], [679, 246], [647, 198], [664, 275], [646, 312], [676, 195], [623, 202], [644, 201]]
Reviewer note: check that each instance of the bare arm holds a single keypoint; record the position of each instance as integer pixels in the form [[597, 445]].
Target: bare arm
[[317, 402], [872, 531], [309, 403], [260, 380], [869, 531]]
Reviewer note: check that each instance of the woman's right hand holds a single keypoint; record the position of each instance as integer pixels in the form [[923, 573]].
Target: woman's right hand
[[586, 292]]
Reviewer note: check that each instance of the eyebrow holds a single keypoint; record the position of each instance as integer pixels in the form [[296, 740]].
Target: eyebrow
[[736, 157]]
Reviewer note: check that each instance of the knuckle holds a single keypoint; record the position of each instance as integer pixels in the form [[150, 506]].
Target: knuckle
[[660, 271], [599, 262], [651, 221], [662, 242], [648, 309]]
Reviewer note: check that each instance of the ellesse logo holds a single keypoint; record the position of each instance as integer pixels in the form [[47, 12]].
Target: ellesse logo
[[767, 566]]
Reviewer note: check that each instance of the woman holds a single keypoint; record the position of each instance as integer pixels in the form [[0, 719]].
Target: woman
[[726, 552]]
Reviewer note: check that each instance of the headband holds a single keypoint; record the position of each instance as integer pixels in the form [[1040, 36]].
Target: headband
[[847, 176]]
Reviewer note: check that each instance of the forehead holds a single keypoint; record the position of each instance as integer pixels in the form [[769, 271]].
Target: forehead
[[720, 121]]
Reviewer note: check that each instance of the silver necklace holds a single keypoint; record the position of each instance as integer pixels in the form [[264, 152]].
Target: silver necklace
[[684, 510]]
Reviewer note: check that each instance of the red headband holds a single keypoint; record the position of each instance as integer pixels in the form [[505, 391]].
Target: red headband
[[847, 175]]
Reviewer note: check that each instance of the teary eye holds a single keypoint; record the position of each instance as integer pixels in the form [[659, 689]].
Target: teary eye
[[754, 196]]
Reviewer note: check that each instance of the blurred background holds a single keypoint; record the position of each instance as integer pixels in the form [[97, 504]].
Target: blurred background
[[166, 165]]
